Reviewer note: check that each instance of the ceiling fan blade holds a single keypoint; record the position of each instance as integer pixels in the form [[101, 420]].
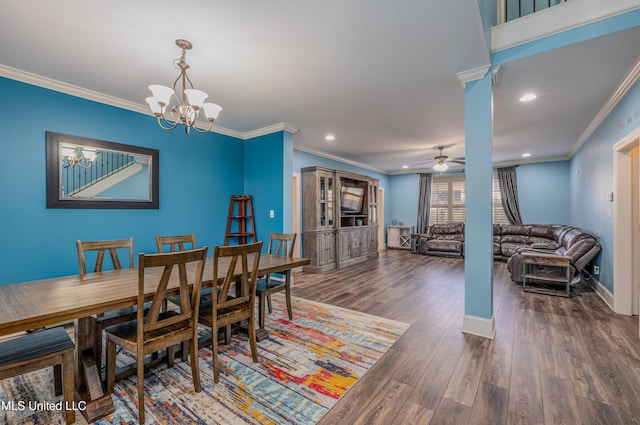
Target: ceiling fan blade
[[460, 158], [455, 161], [421, 163]]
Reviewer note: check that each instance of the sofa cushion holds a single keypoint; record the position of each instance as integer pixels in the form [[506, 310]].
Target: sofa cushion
[[518, 239], [515, 229], [508, 249], [497, 248], [437, 230], [444, 245], [573, 236], [545, 231]]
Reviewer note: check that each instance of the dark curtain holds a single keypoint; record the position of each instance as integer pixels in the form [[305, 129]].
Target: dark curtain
[[509, 192], [424, 202]]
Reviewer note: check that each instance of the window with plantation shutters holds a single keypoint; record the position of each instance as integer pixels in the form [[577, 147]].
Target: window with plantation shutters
[[448, 200]]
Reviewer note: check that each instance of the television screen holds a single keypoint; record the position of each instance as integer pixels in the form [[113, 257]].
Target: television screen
[[351, 199]]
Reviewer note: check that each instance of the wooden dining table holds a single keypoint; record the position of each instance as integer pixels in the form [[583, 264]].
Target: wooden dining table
[[34, 304]]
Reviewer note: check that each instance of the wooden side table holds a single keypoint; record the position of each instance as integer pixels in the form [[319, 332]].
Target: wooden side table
[[546, 269]]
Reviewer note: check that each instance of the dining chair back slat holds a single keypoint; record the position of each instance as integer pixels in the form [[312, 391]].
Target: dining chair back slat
[[280, 244], [176, 243], [113, 317], [101, 247], [225, 309], [160, 329]]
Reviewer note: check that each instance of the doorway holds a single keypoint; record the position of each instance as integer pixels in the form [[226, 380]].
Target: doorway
[[626, 205]]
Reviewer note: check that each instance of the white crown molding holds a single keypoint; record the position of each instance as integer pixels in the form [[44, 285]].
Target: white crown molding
[[556, 19], [627, 82], [77, 91], [472, 74], [530, 161], [494, 165], [59, 86], [282, 126], [336, 158]]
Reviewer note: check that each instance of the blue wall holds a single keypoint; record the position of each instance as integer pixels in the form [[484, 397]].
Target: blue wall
[[592, 178], [268, 171], [402, 199], [543, 192], [198, 174]]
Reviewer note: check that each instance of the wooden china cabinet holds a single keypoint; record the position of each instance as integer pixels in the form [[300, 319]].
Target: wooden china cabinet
[[339, 218]]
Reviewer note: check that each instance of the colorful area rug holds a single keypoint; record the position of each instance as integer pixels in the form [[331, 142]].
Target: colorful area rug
[[305, 366]]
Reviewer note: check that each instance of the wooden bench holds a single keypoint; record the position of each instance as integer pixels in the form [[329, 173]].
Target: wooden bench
[[39, 350]]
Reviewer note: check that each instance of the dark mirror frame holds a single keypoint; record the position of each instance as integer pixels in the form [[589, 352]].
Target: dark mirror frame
[[54, 162]]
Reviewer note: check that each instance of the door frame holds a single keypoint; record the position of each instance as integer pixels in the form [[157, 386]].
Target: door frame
[[622, 222]]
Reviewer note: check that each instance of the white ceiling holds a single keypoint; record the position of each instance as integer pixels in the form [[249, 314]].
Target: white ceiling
[[379, 75]]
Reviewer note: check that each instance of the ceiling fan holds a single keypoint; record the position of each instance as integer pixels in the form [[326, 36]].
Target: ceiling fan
[[441, 162]]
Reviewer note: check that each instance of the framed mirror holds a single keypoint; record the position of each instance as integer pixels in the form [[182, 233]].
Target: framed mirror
[[89, 173]]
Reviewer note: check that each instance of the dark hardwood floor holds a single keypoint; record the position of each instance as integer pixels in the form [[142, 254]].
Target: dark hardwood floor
[[554, 360]]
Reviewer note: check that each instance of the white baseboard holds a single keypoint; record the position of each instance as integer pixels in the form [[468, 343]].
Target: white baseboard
[[479, 326], [603, 292]]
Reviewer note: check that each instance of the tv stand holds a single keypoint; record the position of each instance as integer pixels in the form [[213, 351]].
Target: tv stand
[[340, 218]]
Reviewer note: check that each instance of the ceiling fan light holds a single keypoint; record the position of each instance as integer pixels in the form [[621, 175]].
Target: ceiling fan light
[[441, 166]]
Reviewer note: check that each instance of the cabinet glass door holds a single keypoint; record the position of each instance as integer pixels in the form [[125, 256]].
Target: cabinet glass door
[[330, 201]]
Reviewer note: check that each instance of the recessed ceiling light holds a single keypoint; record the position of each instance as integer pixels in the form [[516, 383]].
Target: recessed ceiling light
[[526, 154], [405, 166], [528, 97], [330, 138]]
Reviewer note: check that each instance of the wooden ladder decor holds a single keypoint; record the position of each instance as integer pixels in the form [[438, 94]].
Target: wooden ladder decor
[[242, 216]]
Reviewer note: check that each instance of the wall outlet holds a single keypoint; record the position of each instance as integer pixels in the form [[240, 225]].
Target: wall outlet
[[596, 270], [272, 213]]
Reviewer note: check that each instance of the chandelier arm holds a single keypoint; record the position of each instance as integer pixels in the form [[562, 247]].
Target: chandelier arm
[[203, 131], [172, 125]]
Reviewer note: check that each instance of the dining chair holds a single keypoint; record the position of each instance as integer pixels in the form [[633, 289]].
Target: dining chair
[[161, 329], [223, 309], [176, 243], [173, 244], [101, 248], [280, 244], [39, 350]]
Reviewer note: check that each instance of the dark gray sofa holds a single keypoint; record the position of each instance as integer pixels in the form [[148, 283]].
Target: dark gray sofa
[[510, 240], [443, 240]]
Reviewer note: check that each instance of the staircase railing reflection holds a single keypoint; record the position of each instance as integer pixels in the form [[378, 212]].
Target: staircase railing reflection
[[77, 178]]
